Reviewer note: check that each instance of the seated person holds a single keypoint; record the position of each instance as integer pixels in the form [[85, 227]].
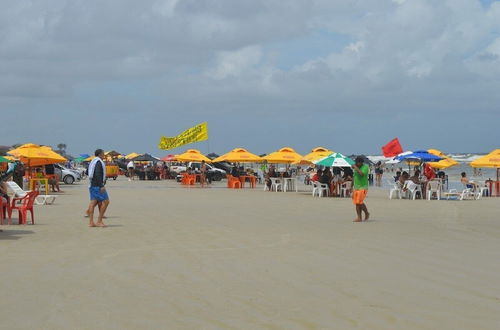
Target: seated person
[[325, 178], [397, 176], [317, 176], [235, 172], [467, 182], [403, 178], [416, 177], [270, 174]]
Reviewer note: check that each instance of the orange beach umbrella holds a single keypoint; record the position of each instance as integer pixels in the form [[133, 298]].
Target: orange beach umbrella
[[315, 154], [193, 155], [283, 156], [35, 155], [238, 155]]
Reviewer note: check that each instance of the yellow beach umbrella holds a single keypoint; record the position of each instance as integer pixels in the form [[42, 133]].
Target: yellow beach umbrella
[[445, 163], [283, 156], [238, 155], [35, 155], [315, 154], [193, 155], [491, 160], [133, 155]]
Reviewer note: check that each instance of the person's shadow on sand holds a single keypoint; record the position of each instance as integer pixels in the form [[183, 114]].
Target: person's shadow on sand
[[8, 234]]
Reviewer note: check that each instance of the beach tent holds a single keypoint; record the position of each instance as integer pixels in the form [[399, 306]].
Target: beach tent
[[445, 163], [283, 156], [132, 155], [335, 160], [193, 155], [238, 155], [315, 154], [35, 155], [169, 158], [396, 159], [145, 158]]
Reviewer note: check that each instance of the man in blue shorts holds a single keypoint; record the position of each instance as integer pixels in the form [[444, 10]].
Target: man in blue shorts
[[98, 194]]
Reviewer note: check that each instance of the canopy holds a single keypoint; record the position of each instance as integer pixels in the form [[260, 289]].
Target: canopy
[[145, 158], [35, 155], [84, 156], [335, 160], [283, 156], [4, 160], [491, 160], [132, 155], [238, 155], [420, 155], [193, 155], [80, 159], [396, 159], [445, 163], [169, 158], [315, 154]]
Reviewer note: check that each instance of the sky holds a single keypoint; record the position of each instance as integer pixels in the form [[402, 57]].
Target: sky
[[349, 75]]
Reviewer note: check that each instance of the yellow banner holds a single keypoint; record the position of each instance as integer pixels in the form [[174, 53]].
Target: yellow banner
[[191, 135]]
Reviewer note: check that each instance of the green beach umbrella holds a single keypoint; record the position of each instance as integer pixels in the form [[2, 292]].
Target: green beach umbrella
[[4, 160], [335, 160]]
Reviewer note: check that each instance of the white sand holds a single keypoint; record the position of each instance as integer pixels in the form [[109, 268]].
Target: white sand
[[177, 258]]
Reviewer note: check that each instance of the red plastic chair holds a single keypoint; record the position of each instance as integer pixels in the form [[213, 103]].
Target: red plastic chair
[[26, 205], [5, 211]]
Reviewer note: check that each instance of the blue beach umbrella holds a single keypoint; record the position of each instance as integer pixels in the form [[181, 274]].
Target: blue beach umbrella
[[421, 156]]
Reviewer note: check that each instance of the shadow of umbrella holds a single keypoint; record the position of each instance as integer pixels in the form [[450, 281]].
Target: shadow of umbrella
[[8, 234]]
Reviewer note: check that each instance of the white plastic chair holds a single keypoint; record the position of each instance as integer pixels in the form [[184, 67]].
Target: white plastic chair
[[39, 200], [345, 188], [434, 186], [482, 191], [396, 188], [276, 184], [320, 188], [413, 189]]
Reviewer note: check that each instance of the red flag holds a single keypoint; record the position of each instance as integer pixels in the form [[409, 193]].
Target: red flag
[[392, 148]]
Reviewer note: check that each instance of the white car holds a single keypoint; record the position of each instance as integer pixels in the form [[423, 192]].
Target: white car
[[216, 173], [67, 175]]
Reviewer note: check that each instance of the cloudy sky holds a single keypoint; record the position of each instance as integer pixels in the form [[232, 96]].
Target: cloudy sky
[[345, 74]]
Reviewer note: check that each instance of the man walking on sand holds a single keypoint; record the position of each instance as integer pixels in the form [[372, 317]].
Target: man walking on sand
[[360, 189], [98, 194]]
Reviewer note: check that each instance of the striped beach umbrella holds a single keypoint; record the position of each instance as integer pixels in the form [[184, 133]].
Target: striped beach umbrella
[[335, 160]]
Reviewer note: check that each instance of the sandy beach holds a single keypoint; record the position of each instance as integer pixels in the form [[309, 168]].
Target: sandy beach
[[191, 258]]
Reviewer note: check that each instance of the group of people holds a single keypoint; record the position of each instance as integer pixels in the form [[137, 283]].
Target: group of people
[[333, 177], [147, 172]]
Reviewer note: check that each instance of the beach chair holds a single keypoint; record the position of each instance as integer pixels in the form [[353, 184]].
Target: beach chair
[[482, 191], [276, 184], [19, 193], [345, 189], [413, 189], [26, 204], [467, 193], [434, 186], [320, 188], [5, 211], [396, 189]]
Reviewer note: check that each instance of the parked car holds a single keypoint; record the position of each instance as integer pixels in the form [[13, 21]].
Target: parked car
[[67, 175]]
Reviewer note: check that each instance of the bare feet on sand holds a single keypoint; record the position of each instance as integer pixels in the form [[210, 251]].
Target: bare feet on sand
[[100, 224], [357, 220]]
